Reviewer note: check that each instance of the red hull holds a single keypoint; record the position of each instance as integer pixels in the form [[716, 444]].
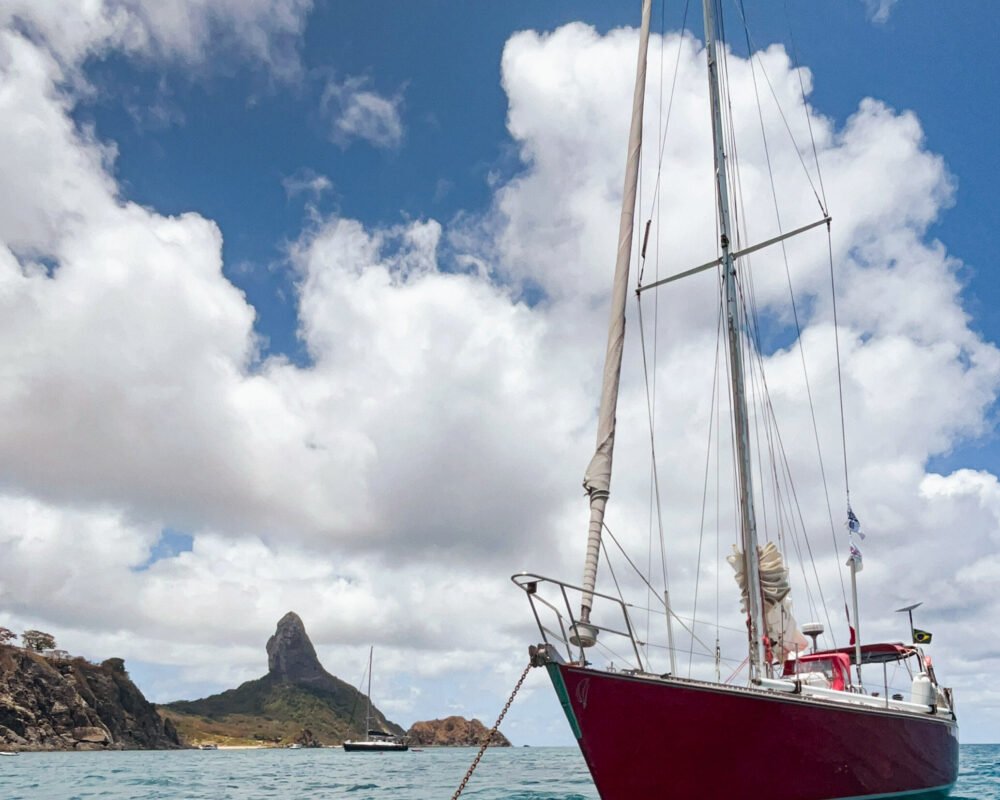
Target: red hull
[[664, 739]]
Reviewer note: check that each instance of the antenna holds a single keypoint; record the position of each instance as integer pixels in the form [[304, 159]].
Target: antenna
[[813, 630], [909, 610]]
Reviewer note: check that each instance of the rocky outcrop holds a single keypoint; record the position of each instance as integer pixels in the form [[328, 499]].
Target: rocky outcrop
[[453, 732], [308, 739], [50, 703], [296, 694], [291, 655]]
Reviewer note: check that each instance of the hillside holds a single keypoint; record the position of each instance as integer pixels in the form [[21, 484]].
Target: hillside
[[296, 695], [61, 703]]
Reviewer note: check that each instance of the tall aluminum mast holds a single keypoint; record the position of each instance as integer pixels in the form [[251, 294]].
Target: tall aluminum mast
[[368, 709], [597, 480], [744, 465]]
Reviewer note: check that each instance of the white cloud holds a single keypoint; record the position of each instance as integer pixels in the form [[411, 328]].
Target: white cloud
[[358, 112], [184, 30], [918, 379], [879, 10], [308, 182], [435, 443]]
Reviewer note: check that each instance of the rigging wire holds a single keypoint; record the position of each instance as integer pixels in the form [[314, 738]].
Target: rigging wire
[[833, 288], [645, 580], [840, 381], [787, 471], [653, 482], [655, 478], [666, 123], [791, 291], [650, 384], [684, 618], [738, 232], [805, 106], [820, 201], [704, 493], [727, 659], [718, 496], [752, 321], [780, 482], [755, 317], [726, 350], [654, 494], [611, 569], [751, 315]]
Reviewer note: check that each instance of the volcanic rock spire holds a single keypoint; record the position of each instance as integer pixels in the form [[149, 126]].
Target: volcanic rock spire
[[291, 656]]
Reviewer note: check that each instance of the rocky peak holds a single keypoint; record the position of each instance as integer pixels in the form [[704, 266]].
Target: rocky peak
[[290, 654]]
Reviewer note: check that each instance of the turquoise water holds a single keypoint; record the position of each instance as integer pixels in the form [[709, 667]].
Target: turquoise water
[[978, 772], [536, 773]]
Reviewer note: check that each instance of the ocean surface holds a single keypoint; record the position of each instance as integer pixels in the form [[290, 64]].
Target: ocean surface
[[523, 773]]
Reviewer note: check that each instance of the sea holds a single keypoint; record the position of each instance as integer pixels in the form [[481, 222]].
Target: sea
[[519, 773]]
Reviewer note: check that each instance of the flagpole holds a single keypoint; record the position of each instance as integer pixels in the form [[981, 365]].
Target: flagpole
[[909, 610], [855, 563], [857, 622]]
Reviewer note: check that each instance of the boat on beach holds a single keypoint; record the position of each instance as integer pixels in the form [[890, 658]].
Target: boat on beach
[[796, 720]]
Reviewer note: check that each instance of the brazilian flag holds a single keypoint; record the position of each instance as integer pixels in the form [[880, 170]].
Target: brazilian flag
[[921, 637]]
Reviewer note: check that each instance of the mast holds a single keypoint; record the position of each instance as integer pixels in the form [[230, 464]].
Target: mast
[[368, 711], [597, 480], [748, 521]]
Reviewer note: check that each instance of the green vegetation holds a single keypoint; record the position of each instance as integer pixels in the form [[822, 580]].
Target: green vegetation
[[271, 711], [38, 640]]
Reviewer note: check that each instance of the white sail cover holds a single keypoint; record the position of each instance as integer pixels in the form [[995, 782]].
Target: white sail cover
[[782, 630], [597, 479]]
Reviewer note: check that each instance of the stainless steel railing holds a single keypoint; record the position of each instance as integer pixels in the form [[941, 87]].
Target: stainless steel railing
[[553, 603]]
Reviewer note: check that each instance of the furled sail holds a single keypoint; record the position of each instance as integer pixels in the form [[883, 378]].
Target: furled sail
[[597, 479], [782, 630]]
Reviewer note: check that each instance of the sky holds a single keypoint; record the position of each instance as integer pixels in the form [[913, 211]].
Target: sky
[[303, 307]]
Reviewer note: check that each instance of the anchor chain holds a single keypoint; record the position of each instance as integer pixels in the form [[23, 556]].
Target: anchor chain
[[492, 733]]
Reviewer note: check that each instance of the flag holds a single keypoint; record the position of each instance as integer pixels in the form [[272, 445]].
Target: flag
[[850, 627], [853, 523], [855, 558], [921, 637]]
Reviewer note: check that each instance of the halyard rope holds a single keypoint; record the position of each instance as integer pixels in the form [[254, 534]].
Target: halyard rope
[[491, 734]]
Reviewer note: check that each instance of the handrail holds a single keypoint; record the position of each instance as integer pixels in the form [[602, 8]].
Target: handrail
[[559, 636], [529, 583]]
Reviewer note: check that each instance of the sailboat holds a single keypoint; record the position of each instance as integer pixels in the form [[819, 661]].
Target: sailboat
[[375, 741], [803, 725]]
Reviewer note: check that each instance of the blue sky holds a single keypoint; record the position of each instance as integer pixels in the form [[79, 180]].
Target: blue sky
[[414, 221], [232, 135]]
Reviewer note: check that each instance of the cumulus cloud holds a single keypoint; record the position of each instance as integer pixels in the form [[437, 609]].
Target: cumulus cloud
[[356, 111], [435, 443], [917, 378], [185, 30]]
